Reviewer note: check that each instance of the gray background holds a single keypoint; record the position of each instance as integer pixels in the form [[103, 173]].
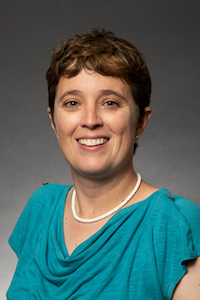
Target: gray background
[[167, 32]]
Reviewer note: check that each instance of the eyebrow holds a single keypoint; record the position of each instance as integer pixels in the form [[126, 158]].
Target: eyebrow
[[111, 92], [70, 93], [101, 94]]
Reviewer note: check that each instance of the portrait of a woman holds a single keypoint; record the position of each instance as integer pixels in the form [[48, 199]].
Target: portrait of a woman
[[110, 235]]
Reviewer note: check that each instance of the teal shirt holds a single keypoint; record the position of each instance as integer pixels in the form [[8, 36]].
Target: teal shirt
[[138, 254]]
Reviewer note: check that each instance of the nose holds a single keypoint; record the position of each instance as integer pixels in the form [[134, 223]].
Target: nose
[[91, 117]]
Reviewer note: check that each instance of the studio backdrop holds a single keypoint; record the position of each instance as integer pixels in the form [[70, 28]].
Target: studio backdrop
[[167, 32]]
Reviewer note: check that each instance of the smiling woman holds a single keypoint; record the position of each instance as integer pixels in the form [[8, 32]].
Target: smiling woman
[[98, 132], [80, 241]]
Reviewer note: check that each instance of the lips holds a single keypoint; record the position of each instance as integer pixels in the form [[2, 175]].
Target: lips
[[92, 142]]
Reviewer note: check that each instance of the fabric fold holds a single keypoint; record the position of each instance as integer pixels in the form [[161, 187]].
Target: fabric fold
[[140, 251]]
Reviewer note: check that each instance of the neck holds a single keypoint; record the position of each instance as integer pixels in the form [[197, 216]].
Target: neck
[[97, 196]]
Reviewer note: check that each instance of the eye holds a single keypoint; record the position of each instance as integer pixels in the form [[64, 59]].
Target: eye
[[71, 103], [111, 103]]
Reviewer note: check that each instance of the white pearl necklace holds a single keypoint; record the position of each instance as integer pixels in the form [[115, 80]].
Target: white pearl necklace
[[111, 211]]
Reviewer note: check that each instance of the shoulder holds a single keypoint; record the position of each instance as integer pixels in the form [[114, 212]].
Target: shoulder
[[38, 210], [167, 216], [51, 190], [176, 237], [44, 199], [188, 208], [169, 203], [180, 214], [175, 227], [46, 196]]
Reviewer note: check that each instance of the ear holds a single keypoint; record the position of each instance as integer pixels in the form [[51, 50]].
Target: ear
[[52, 121], [143, 123]]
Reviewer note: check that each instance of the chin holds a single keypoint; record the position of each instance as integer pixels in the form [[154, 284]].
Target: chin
[[92, 172]]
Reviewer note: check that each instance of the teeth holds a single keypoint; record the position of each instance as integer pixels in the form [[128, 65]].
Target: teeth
[[92, 142]]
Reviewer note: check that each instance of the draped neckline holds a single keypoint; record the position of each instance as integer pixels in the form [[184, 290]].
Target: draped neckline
[[111, 220]]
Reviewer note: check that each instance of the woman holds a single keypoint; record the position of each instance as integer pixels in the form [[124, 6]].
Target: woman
[[111, 235]]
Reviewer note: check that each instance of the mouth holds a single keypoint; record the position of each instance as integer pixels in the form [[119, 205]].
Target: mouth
[[92, 142]]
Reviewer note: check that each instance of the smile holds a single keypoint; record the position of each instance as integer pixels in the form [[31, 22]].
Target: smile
[[92, 142]]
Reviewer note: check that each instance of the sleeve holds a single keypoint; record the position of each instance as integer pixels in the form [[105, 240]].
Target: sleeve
[[34, 216], [31, 216], [176, 240], [191, 212], [18, 235]]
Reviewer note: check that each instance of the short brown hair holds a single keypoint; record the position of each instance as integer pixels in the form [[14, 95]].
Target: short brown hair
[[106, 54]]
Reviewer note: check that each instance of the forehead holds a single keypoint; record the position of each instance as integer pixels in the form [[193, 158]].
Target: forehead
[[91, 82]]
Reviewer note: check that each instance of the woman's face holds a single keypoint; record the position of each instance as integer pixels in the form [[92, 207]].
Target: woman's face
[[95, 121]]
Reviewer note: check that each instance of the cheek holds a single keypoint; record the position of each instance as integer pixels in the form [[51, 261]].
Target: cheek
[[126, 125], [60, 126], [64, 124]]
